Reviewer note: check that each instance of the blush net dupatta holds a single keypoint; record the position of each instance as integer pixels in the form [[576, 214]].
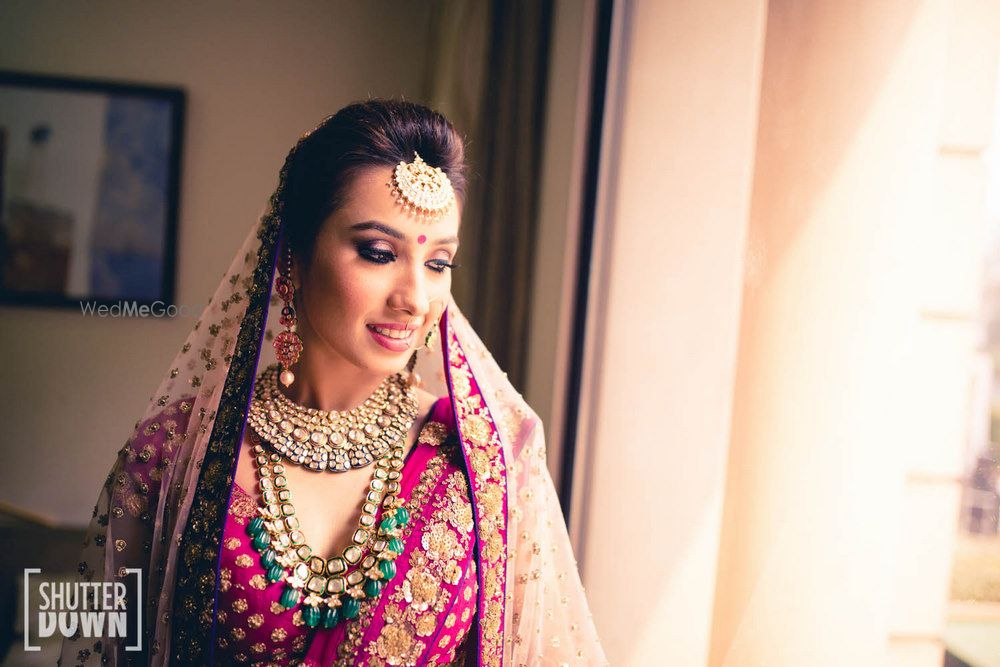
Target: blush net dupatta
[[163, 505]]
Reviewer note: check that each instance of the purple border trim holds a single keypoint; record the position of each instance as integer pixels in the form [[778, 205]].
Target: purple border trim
[[480, 573], [445, 345]]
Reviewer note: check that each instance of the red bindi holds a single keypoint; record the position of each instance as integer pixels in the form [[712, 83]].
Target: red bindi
[[421, 238]]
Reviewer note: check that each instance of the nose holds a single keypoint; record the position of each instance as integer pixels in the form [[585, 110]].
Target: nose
[[410, 296]]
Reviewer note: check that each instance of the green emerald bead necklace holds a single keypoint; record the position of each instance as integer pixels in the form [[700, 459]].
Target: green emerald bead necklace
[[330, 590]]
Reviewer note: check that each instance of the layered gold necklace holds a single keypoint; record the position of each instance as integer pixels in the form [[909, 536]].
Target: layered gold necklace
[[327, 439]]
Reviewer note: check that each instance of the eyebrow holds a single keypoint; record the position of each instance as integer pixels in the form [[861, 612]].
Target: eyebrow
[[389, 231]]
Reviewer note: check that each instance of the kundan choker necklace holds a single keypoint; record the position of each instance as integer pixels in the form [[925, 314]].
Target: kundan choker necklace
[[330, 440], [333, 587]]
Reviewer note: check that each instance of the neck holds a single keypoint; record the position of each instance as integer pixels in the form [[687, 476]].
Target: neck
[[326, 382]]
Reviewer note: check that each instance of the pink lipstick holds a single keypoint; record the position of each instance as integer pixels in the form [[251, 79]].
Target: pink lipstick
[[395, 337]]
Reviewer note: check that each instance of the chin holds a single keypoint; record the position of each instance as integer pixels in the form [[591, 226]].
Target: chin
[[386, 364]]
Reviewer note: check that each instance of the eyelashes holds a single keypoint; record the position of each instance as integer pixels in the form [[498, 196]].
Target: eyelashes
[[376, 255], [439, 265]]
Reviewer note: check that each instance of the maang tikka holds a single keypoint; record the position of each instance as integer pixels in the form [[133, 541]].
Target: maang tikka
[[287, 344], [421, 189]]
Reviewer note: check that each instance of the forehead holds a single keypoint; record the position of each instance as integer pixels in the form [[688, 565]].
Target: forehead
[[369, 197]]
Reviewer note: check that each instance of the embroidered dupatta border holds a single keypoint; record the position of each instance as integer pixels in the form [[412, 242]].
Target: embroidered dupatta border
[[486, 468], [193, 627]]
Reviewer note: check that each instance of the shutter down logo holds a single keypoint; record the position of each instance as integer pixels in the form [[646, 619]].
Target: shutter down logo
[[82, 609]]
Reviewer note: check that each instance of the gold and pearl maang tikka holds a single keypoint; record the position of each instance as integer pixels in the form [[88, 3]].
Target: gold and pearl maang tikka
[[422, 189]]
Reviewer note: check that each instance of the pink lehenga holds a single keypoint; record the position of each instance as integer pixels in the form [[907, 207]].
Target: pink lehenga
[[486, 577]]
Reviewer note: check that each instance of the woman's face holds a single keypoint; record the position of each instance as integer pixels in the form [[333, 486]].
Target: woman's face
[[378, 281]]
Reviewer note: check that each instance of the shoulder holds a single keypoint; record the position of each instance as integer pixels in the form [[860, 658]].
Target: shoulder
[[425, 401], [431, 408]]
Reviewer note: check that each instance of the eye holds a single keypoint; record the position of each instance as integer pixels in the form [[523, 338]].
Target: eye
[[374, 254], [439, 265]]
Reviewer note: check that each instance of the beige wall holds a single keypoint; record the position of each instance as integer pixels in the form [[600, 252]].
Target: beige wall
[[257, 74]]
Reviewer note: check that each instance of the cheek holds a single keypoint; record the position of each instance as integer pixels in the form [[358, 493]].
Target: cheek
[[343, 292], [440, 295]]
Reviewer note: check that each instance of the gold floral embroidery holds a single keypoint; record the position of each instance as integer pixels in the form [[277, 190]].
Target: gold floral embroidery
[[460, 382], [440, 542], [433, 434], [452, 573], [279, 635], [493, 615], [477, 427], [459, 514], [225, 579], [420, 588], [239, 605], [256, 621], [493, 582], [136, 504], [480, 461], [491, 500], [233, 542], [396, 643], [243, 560], [397, 646], [242, 508], [426, 624], [493, 547], [423, 596]]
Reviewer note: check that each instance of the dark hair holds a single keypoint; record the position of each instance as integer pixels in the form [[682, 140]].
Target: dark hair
[[321, 167]]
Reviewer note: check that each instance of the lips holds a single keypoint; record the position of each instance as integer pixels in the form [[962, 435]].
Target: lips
[[395, 337]]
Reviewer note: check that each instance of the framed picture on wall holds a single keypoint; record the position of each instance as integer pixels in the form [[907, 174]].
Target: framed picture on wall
[[89, 174]]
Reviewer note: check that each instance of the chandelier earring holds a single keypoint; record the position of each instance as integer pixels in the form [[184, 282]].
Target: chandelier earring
[[287, 344]]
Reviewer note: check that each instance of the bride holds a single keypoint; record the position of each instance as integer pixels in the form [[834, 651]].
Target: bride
[[334, 470]]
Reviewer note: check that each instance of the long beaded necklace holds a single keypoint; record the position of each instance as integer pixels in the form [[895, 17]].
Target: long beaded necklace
[[333, 590]]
